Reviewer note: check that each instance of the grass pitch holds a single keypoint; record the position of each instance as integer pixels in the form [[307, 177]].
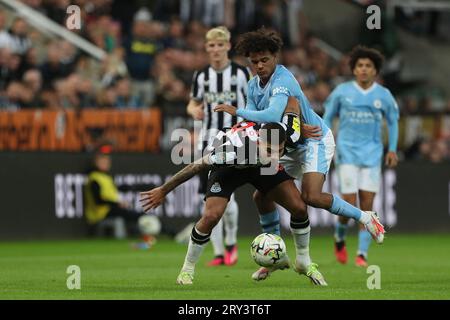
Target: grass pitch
[[412, 267]]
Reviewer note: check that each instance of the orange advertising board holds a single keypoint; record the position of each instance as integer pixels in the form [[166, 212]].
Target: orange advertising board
[[45, 130]]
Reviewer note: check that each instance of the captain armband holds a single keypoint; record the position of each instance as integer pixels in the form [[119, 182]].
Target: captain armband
[[293, 132]]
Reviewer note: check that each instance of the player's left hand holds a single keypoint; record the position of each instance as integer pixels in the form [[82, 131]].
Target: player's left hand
[[152, 199], [225, 108], [391, 159]]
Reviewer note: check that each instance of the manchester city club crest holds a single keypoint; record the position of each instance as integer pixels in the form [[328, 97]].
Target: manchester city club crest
[[377, 103]]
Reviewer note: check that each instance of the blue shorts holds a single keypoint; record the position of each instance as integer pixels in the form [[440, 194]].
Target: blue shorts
[[314, 156]]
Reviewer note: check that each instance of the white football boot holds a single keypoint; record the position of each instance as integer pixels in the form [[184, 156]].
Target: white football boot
[[263, 273], [185, 278], [375, 228], [312, 272]]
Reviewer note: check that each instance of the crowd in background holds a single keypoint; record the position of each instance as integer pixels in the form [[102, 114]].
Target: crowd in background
[[152, 53]]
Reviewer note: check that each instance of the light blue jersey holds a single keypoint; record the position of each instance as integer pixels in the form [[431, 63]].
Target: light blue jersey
[[267, 104], [361, 112]]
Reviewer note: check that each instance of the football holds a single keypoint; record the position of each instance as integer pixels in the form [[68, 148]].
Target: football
[[149, 225], [267, 249]]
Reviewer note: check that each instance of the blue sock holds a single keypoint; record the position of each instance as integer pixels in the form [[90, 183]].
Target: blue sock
[[345, 209], [270, 222], [340, 231], [365, 239]]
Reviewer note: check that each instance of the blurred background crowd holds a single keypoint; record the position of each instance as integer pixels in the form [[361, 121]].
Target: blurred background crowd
[[154, 47]]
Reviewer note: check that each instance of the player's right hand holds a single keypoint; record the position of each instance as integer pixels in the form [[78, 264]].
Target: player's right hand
[[197, 113], [391, 159], [309, 131], [152, 199]]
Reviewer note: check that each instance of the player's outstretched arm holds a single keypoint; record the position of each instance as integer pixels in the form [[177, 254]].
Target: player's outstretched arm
[[154, 198]]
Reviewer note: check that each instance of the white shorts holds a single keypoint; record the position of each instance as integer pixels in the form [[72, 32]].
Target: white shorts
[[315, 156], [353, 178]]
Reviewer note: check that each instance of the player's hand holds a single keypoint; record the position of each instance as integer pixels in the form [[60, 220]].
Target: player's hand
[[197, 113], [391, 159], [225, 108], [312, 132], [152, 199]]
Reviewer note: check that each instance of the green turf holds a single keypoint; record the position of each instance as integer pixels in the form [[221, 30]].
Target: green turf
[[412, 267]]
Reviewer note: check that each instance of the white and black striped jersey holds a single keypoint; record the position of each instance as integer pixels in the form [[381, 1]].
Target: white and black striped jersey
[[215, 87], [236, 146]]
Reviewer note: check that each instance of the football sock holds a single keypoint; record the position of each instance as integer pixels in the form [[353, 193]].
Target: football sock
[[196, 245], [345, 209], [301, 232], [217, 239], [340, 244], [230, 221], [230, 247], [340, 231], [364, 240], [270, 222]]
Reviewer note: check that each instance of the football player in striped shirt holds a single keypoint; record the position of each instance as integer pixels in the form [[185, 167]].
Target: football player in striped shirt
[[222, 81], [235, 161]]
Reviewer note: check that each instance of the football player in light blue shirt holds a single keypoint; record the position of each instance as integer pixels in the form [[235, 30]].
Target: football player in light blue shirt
[[361, 105], [309, 160]]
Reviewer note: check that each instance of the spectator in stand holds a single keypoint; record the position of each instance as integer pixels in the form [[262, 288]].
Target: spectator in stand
[[19, 37], [106, 98], [17, 97], [5, 73], [32, 80], [113, 67], [11, 67], [66, 91], [29, 61], [86, 95], [53, 69], [69, 55], [141, 50], [175, 38], [124, 96], [5, 38]]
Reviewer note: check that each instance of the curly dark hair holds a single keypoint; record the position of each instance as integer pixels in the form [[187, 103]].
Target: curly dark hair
[[362, 52], [258, 41]]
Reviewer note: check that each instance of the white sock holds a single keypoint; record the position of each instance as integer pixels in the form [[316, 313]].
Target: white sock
[[230, 222], [217, 239], [193, 254], [301, 241]]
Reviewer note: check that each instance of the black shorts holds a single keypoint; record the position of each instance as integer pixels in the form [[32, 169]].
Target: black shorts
[[203, 177], [224, 181]]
